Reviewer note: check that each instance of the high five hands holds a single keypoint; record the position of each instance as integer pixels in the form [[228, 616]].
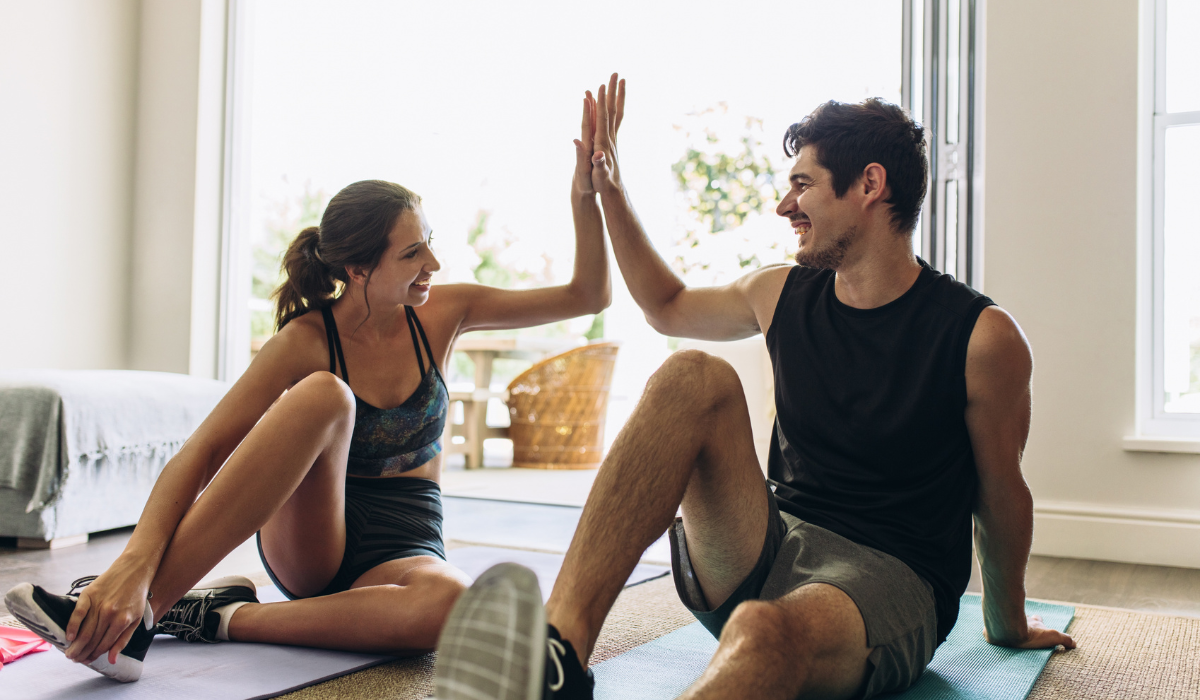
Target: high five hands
[[596, 152]]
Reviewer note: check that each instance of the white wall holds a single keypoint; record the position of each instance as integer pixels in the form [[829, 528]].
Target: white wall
[[1060, 254], [68, 88], [173, 312]]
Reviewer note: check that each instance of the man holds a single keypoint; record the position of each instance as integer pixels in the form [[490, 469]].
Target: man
[[903, 402]]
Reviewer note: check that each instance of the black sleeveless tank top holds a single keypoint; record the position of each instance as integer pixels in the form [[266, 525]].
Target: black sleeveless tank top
[[390, 441], [870, 437]]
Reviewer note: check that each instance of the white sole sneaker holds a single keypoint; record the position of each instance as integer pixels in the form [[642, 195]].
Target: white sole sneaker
[[22, 603], [494, 644]]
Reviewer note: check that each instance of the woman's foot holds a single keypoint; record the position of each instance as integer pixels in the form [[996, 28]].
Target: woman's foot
[[47, 615], [203, 613]]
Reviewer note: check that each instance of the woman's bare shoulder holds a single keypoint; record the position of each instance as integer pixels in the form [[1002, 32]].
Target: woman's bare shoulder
[[299, 348]]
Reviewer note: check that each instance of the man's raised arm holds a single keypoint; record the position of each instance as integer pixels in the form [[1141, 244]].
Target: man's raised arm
[[999, 367], [737, 310]]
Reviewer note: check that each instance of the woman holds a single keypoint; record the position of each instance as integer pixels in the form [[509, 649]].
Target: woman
[[328, 448]]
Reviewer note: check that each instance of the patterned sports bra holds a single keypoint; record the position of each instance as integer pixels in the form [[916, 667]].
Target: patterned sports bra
[[391, 441]]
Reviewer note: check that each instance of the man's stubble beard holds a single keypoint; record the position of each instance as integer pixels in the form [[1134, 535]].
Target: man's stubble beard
[[828, 257]]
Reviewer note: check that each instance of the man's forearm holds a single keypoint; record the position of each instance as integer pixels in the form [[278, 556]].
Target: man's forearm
[[1003, 536], [648, 277]]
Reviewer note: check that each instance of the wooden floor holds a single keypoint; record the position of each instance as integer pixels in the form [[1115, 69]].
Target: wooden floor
[[1156, 589]]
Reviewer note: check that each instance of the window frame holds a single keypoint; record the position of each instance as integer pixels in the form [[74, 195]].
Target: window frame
[[1153, 121], [957, 164]]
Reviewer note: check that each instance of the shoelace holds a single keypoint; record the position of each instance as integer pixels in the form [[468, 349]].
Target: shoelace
[[186, 619], [79, 584], [557, 650]]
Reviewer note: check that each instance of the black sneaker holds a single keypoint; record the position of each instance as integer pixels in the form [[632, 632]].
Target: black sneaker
[[47, 615], [496, 644], [195, 619], [566, 678]]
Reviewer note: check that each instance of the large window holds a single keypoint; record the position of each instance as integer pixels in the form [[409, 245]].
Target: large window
[[473, 105], [1170, 399]]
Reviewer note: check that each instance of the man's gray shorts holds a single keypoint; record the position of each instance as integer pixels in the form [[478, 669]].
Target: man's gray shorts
[[896, 604]]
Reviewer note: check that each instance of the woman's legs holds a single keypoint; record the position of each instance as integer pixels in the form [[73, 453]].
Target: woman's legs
[[397, 607], [288, 479], [290, 471]]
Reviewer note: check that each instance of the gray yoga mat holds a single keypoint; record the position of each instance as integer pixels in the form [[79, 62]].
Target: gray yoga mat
[[176, 669], [965, 667]]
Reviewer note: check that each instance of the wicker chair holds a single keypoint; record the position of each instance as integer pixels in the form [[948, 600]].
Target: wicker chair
[[557, 409]]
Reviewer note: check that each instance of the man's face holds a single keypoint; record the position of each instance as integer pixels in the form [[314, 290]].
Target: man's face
[[827, 226]]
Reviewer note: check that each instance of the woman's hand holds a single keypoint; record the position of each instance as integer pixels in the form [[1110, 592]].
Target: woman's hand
[[108, 612], [610, 109], [582, 183]]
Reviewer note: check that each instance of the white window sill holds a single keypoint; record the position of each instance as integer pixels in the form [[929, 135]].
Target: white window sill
[[1161, 444]]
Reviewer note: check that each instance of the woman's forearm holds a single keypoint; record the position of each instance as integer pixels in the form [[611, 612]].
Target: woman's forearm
[[590, 280]]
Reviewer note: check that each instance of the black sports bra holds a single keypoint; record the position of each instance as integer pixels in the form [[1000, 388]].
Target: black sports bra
[[391, 441]]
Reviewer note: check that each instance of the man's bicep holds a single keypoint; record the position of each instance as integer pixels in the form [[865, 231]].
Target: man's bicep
[[998, 372], [707, 313], [734, 311]]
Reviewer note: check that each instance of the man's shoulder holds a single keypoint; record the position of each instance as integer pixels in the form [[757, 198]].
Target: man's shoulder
[[955, 297]]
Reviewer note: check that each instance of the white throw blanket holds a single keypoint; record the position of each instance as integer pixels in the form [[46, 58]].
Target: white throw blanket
[[51, 420]]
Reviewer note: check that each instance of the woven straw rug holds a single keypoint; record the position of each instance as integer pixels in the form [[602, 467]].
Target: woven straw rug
[[1121, 654]]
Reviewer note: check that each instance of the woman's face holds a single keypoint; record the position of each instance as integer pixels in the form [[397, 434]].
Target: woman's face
[[405, 272]]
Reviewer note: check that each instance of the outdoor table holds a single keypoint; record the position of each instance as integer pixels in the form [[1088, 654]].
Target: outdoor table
[[483, 351]]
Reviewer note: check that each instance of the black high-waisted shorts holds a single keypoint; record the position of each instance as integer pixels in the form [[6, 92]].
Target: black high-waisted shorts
[[386, 519]]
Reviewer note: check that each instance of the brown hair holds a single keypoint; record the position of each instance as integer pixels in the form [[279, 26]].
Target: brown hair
[[848, 137], [353, 232]]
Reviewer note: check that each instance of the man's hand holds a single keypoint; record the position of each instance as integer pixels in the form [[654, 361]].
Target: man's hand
[[1037, 636], [610, 109], [582, 183]]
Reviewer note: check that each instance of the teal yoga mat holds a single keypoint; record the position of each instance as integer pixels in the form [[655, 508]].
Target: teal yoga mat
[[965, 667]]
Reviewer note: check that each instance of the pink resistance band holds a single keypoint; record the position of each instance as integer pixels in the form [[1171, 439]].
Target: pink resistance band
[[15, 643]]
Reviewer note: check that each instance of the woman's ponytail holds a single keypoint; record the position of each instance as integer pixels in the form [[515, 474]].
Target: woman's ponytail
[[308, 282]]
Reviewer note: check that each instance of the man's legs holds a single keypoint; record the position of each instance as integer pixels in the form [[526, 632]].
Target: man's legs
[[688, 442]]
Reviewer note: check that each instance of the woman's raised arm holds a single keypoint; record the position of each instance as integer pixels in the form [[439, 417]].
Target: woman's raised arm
[[589, 291]]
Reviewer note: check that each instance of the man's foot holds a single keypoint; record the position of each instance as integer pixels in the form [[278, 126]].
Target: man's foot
[[199, 616], [566, 678], [47, 615], [496, 644]]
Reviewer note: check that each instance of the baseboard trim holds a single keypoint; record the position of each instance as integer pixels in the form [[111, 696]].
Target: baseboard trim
[[56, 543], [1137, 536]]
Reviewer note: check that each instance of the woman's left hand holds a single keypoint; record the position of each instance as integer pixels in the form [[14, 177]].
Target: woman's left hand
[[582, 183]]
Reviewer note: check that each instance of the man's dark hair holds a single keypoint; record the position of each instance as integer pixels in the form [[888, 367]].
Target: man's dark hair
[[848, 137]]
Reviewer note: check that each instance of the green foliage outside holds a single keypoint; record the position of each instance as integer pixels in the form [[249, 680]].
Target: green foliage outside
[[724, 189], [724, 178], [489, 245]]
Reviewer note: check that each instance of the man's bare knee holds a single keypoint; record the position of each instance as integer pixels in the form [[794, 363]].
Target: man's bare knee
[[700, 379], [759, 626]]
